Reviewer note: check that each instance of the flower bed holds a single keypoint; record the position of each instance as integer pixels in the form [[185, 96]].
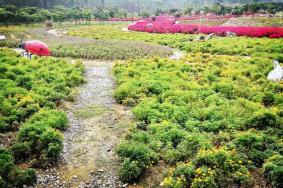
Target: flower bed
[[162, 25]]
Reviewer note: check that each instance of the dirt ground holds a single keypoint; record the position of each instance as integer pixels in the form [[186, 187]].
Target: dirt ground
[[97, 124]]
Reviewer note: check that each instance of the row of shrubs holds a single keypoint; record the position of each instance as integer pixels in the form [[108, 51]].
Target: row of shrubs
[[110, 50], [30, 91], [215, 119]]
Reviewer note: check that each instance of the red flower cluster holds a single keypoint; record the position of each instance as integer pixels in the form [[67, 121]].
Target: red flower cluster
[[162, 25]]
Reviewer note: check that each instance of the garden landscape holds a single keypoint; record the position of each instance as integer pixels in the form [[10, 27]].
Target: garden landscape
[[171, 94]]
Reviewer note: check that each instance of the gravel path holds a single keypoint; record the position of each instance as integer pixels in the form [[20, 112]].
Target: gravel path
[[96, 125]]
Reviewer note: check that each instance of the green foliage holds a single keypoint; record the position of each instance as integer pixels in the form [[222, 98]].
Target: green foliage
[[273, 169], [212, 108], [10, 14], [263, 120], [38, 139], [211, 168], [29, 85], [137, 158], [130, 171], [12, 176], [53, 118], [30, 90]]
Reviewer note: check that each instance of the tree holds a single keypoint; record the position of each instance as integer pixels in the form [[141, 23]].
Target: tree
[[188, 11], [58, 14], [101, 13], [158, 12], [87, 15]]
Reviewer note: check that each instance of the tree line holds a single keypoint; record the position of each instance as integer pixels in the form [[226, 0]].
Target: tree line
[[128, 5], [10, 14], [221, 9]]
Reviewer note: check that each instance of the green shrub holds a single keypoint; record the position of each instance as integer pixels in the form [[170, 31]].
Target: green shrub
[[191, 144], [268, 99], [225, 89], [136, 152], [255, 146], [24, 81], [263, 120], [128, 94], [21, 151], [141, 137], [273, 169], [24, 177], [51, 142], [10, 175], [137, 158], [148, 112], [211, 168], [56, 119], [226, 166], [40, 140], [29, 92], [130, 171]]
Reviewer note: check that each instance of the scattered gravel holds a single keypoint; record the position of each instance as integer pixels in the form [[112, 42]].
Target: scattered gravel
[[88, 158]]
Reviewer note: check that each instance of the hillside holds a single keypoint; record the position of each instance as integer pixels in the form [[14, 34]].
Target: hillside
[[130, 5]]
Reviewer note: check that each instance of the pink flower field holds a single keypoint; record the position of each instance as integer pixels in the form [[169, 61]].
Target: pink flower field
[[165, 24]]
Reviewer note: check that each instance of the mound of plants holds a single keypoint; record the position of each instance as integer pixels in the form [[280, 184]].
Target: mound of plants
[[29, 85], [214, 120], [30, 92], [40, 137]]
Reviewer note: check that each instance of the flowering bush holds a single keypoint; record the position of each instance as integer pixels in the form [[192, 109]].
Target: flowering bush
[[211, 168], [162, 25]]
